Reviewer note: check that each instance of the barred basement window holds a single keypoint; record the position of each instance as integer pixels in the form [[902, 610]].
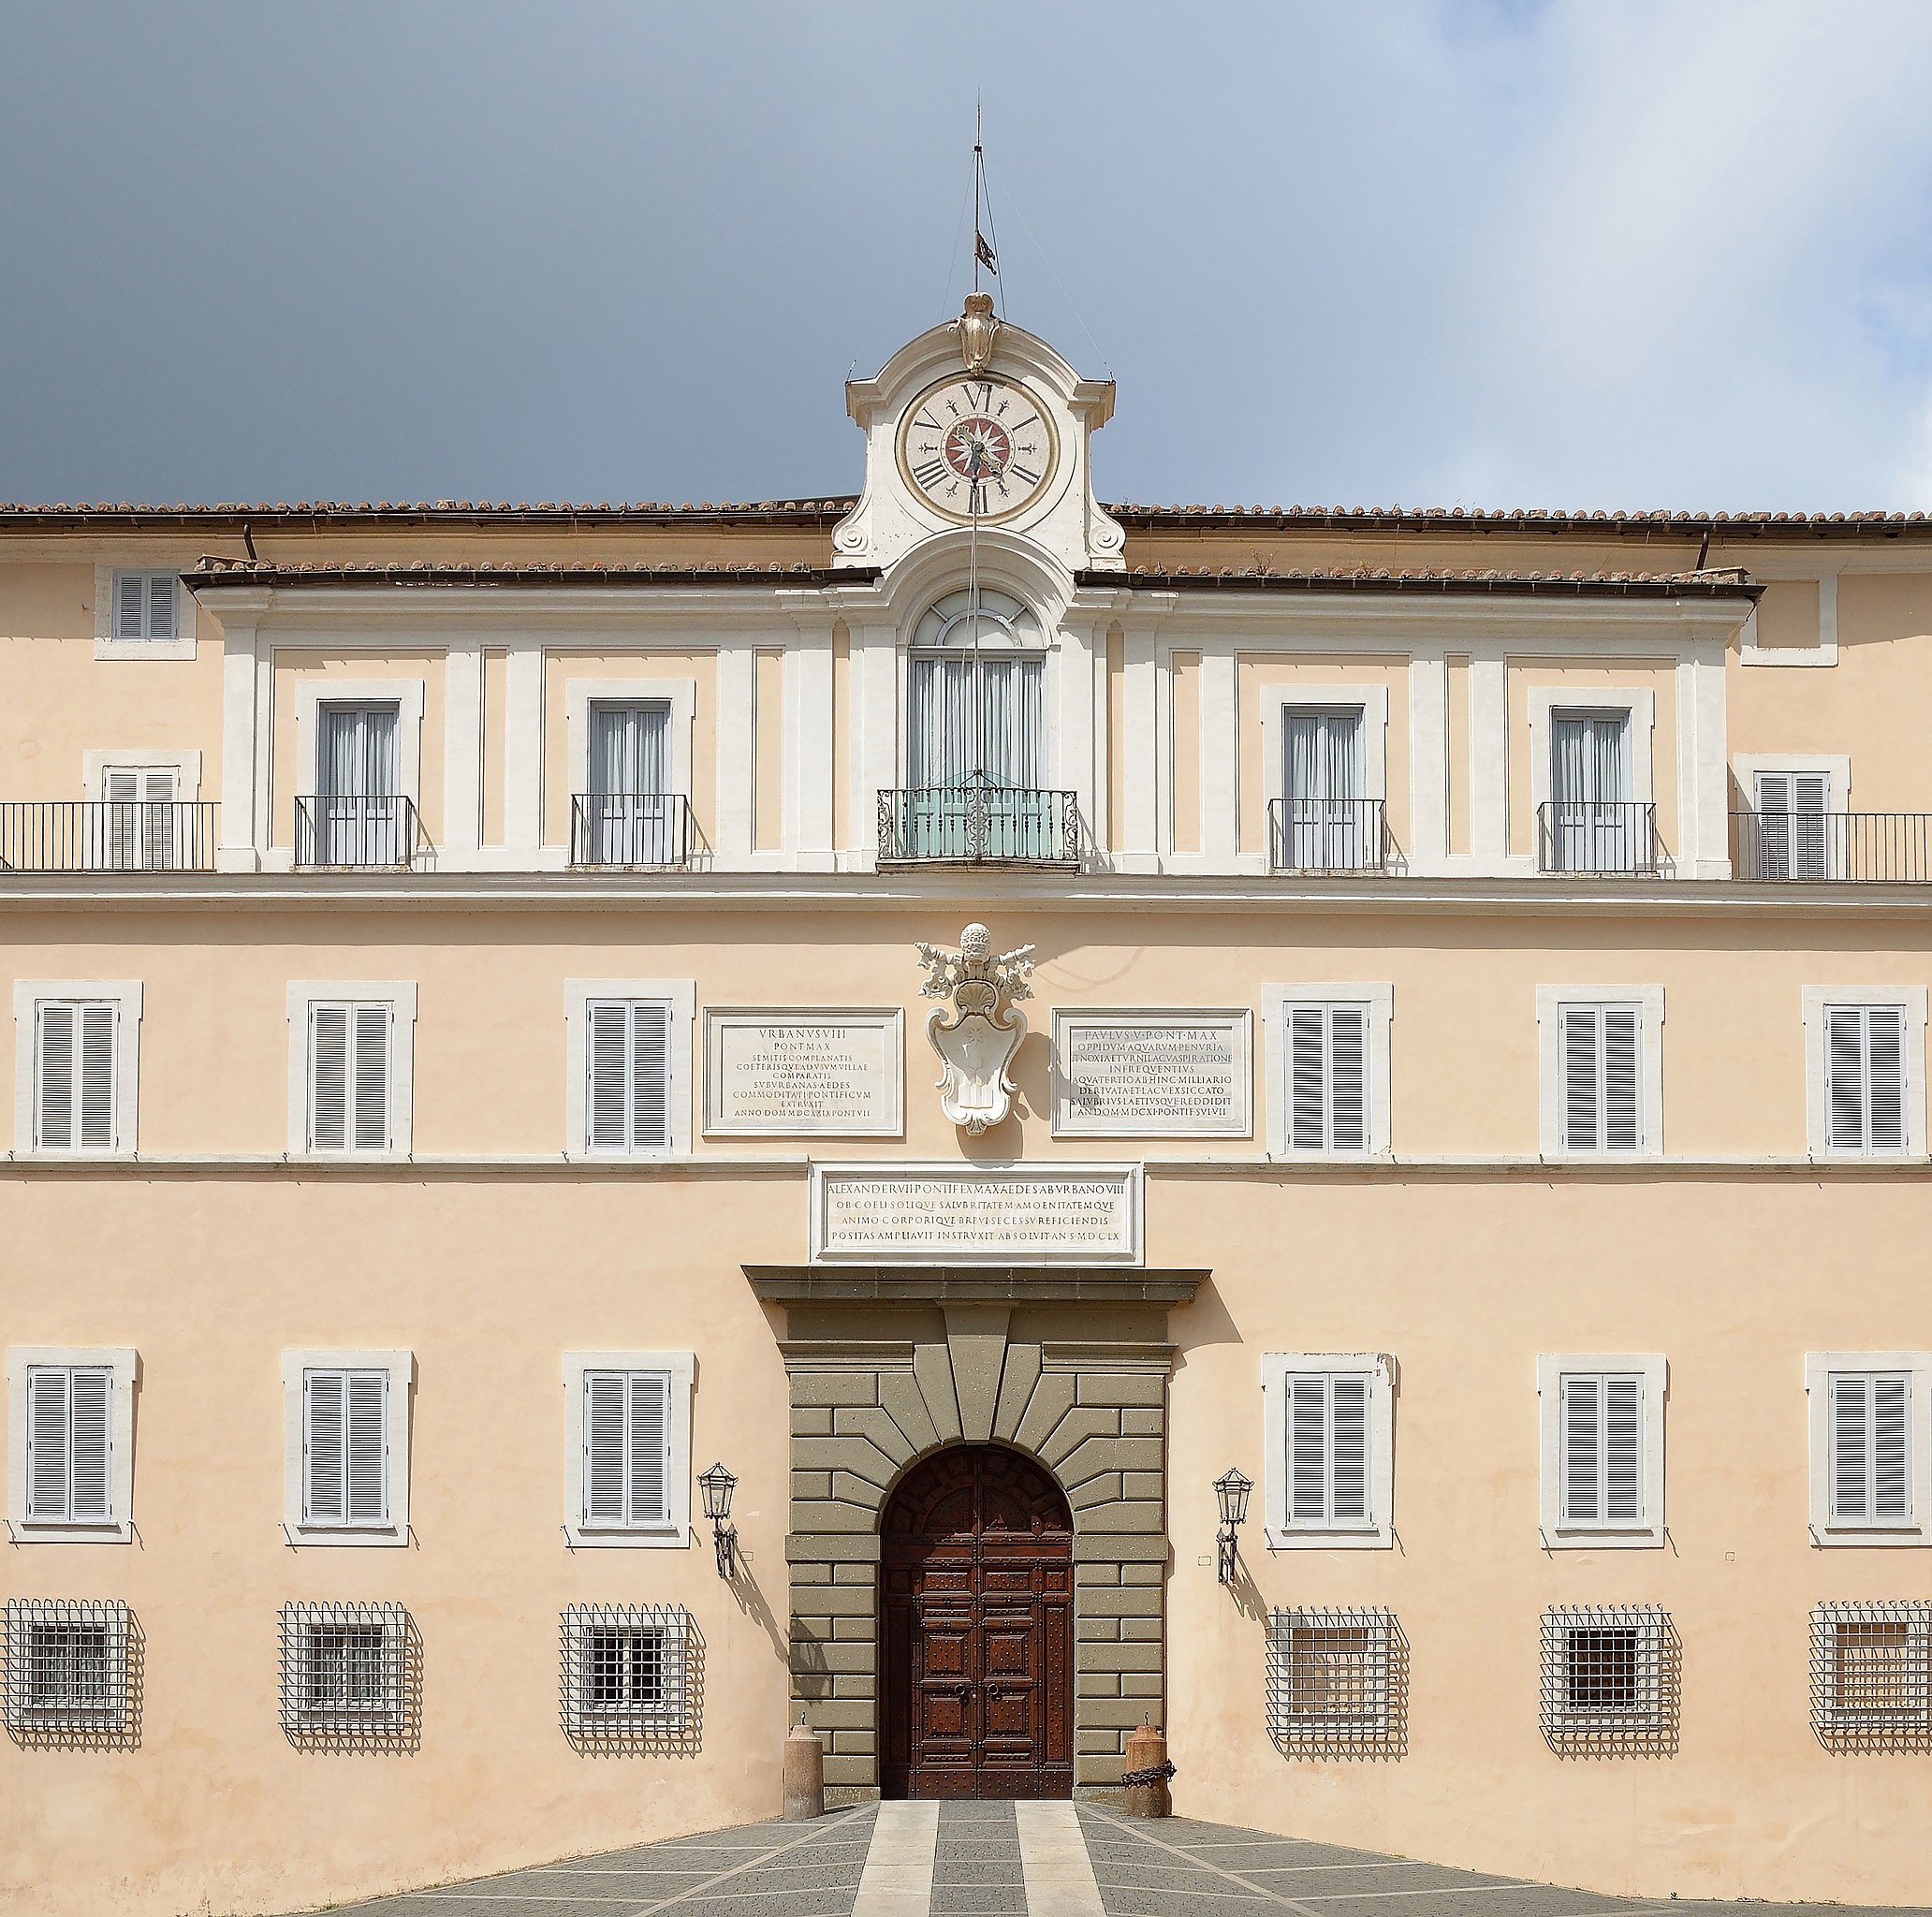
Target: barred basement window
[[349, 1675], [1871, 1677], [1609, 1680], [1335, 1682], [71, 1668], [628, 1672]]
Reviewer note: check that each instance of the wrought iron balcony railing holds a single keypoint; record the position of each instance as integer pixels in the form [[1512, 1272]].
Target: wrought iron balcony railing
[[369, 829], [1881, 848], [1327, 835], [1599, 837], [106, 836], [630, 828], [979, 821]]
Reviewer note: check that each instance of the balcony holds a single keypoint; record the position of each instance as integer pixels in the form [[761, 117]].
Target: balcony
[[1328, 836], [364, 830], [99, 836], [978, 823], [1875, 848], [1597, 838], [631, 830]]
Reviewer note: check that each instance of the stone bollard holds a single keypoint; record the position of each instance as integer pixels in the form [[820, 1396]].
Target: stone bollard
[[1145, 1776], [804, 1773]]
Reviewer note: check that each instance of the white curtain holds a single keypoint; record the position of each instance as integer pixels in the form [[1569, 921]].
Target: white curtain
[[1590, 787], [359, 822], [630, 750], [976, 716], [1326, 825]]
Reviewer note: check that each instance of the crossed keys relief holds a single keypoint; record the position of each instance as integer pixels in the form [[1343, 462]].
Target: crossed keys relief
[[977, 1036]]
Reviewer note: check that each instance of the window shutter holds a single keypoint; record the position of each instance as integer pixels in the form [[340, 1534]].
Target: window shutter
[[324, 1464], [1348, 1083], [56, 1099], [1308, 1079], [1579, 1072], [1775, 792], [161, 601], [1886, 1076], [371, 1077], [604, 1447], [608, 1064], [1582, 1452], [651, 1103], [367, 1447], [47, 1441], [1307, 1448], [1844, 1077], [1891, 1447], [1623, 1449], [1350, 1449], [131, 595], [1850, 1399], [1622, 1127], [328, 1077], [650, 1437], [97, 1128]]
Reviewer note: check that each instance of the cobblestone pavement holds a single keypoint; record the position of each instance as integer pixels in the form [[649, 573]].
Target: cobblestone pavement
[[1008, 1860]]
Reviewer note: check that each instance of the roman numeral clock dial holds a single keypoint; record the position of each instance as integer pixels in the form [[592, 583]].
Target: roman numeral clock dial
[[977, 448]]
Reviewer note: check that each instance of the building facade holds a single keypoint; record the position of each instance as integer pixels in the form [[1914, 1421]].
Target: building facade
[[981, 1012]]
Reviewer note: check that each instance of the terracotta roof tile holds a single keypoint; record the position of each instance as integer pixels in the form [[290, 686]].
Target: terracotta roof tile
[[1713, 582], [217, 569]]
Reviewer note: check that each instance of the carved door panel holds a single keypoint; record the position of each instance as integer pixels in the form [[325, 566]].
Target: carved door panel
[[977, 1582]]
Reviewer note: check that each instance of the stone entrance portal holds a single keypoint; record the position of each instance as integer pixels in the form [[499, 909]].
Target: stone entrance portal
[[891, 1366], [976, 1589]]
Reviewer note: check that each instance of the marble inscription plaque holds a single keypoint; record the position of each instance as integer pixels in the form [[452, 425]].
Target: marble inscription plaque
[[1022, 1215], [835, 1073], [1141, 1075]]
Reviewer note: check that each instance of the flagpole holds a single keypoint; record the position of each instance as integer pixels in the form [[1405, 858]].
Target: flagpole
[[977, 674]]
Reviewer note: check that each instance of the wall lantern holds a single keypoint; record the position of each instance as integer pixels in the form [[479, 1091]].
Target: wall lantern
[[717, 1485], [1232, 1491]]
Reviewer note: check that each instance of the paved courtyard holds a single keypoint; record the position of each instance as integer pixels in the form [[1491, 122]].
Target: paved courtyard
[[1010, 1860]]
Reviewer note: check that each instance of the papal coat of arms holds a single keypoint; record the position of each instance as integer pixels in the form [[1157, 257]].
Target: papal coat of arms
[[977, 1036]]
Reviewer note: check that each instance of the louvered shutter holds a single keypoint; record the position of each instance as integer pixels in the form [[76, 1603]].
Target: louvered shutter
[[55, 1103], [1582, 1461], [604, 1452], [1891, 1447], [97, 1116], [1308, 1079], [325, 1472], [1844, 1077], [651, 1103], [367, 1446], [130, 606], [1581, 1084], [1308, 1448], [649, 1447], [1623, 1448], [328, 1077], [162, 591], [372, 1077], [608, 1067], [1791, 808], [1348, 1449], [1886, 1076], [48, 1455], [1622, 1126], [1348, 1077], [92, 1411]]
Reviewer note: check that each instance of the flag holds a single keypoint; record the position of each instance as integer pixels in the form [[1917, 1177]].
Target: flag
[[983, 253]]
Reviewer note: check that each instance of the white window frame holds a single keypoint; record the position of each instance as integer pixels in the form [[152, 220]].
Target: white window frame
[[106, 646], [1558, 1533], [1836, 768], [679, 695], [1826, 650], [400, 996], [186, 768], [1828, 1531], [29, 995], [1278, 701], [1815, 1000], [117, 1528], [680, 994], [675, 1535], [1550, 1000], [1278, 1001], [1547, 703], [1379, 1532], [400, 1368], [314, 690]]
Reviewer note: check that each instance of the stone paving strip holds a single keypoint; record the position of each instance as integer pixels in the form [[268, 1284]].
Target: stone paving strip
[[1020, 1860]]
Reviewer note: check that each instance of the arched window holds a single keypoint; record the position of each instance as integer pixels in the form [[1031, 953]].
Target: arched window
[[976, 695]]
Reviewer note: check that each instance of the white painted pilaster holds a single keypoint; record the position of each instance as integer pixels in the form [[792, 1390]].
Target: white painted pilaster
[[737, 750], [1071, 760], [523, 748], [462, 748], [875, 758], [1704, 784], [245, 742], [809, 770], [1144, 779], [1429, 760], [1221, 771], [1489, 762]]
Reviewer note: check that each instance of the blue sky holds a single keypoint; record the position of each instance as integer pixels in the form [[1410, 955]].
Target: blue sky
[[1424, 251]]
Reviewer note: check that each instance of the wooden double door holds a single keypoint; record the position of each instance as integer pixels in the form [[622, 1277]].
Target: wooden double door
[[976, 1615]]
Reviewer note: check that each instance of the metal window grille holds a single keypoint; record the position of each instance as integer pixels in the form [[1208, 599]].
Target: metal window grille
[[347, 1672], [1609, 1679], [1334, 1681], [69, 1669], [1871, 1676], [626, 1672]]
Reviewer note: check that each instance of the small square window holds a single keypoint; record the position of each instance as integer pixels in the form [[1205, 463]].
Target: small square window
[[1334, 1681], [625, 1672], [1609, 1679], [147, 607], [68, 1668], [1871, 1676], [348, 1672]]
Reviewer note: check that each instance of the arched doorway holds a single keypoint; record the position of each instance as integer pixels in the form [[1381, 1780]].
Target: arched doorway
[[976, 1589]]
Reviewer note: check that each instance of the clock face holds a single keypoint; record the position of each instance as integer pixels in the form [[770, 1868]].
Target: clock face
[[977, 448]]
